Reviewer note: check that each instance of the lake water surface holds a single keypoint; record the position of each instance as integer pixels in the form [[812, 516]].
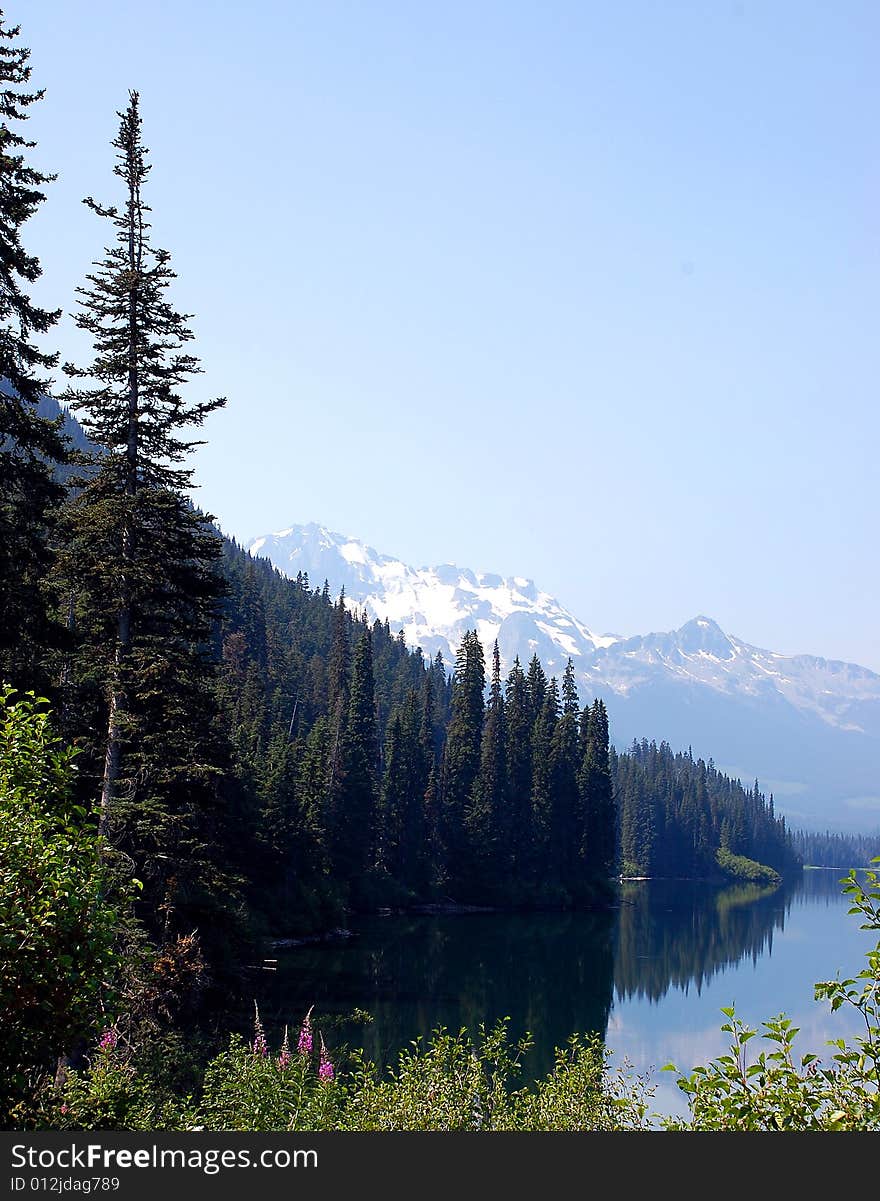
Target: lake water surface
[[650, 976]]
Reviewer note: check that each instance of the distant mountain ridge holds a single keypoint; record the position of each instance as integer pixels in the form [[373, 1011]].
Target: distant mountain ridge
[[807, 727]]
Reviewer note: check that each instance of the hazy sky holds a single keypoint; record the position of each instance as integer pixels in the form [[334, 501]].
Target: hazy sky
[[581, 291]]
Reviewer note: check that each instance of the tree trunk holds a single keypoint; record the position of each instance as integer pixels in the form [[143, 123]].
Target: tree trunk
[[113, 756]]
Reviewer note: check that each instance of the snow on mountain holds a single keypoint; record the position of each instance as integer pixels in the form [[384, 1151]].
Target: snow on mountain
[[807, 726], [434, 606], [702, 653]]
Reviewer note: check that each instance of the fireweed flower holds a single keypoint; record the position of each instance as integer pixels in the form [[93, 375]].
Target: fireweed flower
[[108, 1040], [305, 1041], [260, 1047], [325, 1068], [284, 1057]]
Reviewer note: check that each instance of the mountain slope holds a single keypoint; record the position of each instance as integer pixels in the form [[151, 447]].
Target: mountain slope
[[808, 727]]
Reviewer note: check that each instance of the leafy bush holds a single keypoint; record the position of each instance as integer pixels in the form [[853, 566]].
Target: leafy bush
[[456, 1082], [111, 1094], [738, 867], [56, 922], [247, 1088]]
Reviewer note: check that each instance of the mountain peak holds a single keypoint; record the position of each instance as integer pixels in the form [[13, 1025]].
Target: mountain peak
[[704, 635]]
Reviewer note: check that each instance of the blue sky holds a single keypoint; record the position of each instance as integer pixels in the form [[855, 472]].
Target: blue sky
[[585, 292]]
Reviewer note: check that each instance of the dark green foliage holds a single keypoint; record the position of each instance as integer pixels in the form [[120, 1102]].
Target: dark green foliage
[[461, 758], [32, 446], [518, 752], [351, 818], [486, 817], [143, 568], [567, 840], [283, 702], [547, 818], [404, 843], [599, 846], [536, 687], [58, 914]]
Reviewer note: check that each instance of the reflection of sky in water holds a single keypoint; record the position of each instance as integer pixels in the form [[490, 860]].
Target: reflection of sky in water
[[818, 940]]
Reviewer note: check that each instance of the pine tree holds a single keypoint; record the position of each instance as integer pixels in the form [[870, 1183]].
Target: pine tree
[[570, 704], [145, 566], [536, 684], [461, 758], [393, 800], [566, 815], [338, 666], [30, 446], [353, 822], [545, 869], [599, 839], [518, 737], [404, 782], [486, 816]]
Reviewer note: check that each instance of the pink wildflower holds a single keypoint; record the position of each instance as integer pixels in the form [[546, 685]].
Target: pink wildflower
[[64, 1107], [108, 1040], [284, 1057], [325, 1068], [260, 1047], [304, 1043]]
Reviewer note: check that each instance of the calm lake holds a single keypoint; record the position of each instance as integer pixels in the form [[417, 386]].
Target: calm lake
[[651, 976]]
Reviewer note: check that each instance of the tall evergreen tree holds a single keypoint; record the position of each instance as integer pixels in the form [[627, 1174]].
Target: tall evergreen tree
[[353, 829], [570, 705], [404, 783], [393, 800], [518, 732], [144, 563], [536, 685], [546, 865], [461, 757], [338, 666], [566, 810], [486, 816], [30, 446], [599, 846]]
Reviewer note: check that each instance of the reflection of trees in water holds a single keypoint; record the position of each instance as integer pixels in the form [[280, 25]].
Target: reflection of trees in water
[[824, 885], [678, 933], [549, 973]]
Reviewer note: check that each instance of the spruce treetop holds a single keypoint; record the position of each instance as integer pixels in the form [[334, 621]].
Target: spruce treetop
[[21, 362], [133, 407]]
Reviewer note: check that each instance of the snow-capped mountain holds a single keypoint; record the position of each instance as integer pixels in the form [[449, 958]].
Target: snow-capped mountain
[[434, 606], [808, 728]]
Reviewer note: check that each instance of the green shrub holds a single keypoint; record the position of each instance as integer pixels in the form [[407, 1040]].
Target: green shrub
[[738, 867], [111, 1094], [247, 1088], [56, 922]]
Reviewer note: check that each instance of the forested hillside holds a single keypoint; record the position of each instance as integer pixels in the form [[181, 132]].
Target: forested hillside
[[831, 848], [677, 811], [470, 787]]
